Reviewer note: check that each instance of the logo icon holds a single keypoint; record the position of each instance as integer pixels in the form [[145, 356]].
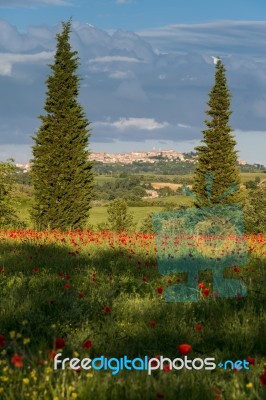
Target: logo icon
[[205, 238]]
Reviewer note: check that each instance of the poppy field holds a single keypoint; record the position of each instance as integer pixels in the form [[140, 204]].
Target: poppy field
[[88, 294]]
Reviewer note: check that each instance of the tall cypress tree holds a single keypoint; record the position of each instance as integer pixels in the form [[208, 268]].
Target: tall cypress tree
[[217, 156], [61, 173]]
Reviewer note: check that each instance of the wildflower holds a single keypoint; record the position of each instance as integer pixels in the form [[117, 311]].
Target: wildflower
[[236, 269], [17, 360], [107, 310], [251, 360], [201, 285], [152, 323], [87, 344], [26, 381], [81, 294], [159, 290], [184, 349], [249, 385], [35, 270], [215, 294], [263, 377], [144, 279], [59, 343], [67, 285], [51, 355], [26, 340], [167, 368], [198, 327], [206, 292], [2, 341]]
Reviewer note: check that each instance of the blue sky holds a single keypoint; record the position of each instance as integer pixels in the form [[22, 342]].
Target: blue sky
[[128, 14], [146, 69]]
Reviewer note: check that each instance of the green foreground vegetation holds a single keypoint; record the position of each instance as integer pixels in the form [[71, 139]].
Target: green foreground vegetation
[[88, 295]]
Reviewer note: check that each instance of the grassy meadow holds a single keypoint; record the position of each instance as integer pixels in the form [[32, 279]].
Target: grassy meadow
[[86, 294]]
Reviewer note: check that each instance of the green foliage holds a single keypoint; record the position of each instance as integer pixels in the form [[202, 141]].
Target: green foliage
[[8, 215], [61, 173], [255, 211], [217, 156], [251, 184], [119, 219], [165, 192], [146, 225], [129, 188]]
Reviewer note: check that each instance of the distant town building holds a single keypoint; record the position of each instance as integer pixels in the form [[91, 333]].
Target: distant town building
[[141, 156]]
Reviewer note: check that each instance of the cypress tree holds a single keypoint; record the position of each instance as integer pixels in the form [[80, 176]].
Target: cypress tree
[[61, 173], [217, 156]]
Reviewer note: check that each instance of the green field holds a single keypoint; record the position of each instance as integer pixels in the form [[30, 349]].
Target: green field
[[86, 295], [98, 215]]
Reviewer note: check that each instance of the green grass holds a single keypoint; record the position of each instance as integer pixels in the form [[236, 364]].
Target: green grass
[[98, 215], [104, 178], [107, 270]]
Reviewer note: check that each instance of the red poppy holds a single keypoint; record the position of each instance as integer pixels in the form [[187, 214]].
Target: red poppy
[[251, 360], [263, 378], [17, 360], [152, 323], [144, 279], [67, 285], [2, 341], [167, 368], [184, 349], [206, 292], [107, 310], [81, 293], [87, 344], [198, 327], [201, 285], [35, 269], [59, 343], [51, 354], [154, 363], [159, 290], [40, 361], [236, 269]]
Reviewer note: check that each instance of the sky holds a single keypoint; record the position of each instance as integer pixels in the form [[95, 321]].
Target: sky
[[146, 66]]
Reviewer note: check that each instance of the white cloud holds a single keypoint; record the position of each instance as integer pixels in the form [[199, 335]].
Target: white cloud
[[109, 59], [123, 1], [31, 3], [148, 124], [7, 60], [121, 74], [183, 126], [216, 37]]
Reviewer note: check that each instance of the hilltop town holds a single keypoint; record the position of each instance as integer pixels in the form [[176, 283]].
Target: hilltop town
[[141, 156]]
